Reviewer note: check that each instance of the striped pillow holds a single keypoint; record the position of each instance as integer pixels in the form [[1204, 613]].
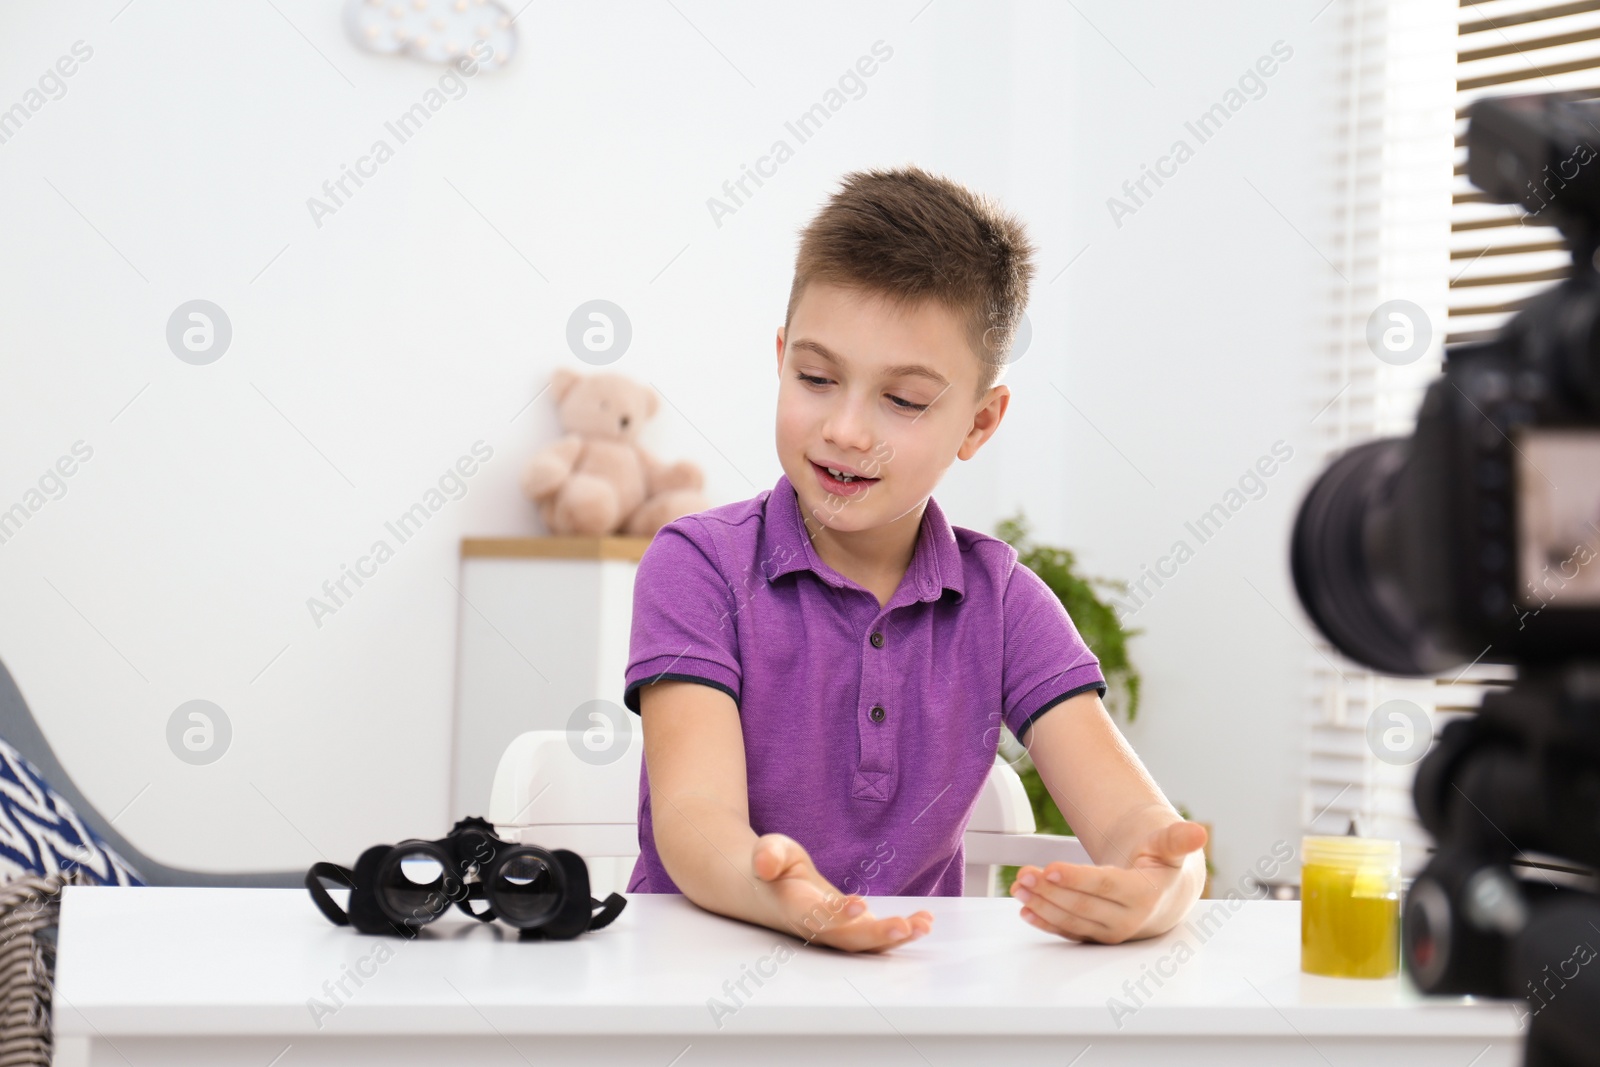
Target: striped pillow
[[40, 834]]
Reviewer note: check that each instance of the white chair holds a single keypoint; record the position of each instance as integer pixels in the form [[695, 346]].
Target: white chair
[[545, 794]]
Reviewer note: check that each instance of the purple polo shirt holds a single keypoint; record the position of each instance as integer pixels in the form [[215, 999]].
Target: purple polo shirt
[[868, 730]]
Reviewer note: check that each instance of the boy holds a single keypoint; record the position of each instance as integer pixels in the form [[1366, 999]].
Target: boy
[[821, 671]]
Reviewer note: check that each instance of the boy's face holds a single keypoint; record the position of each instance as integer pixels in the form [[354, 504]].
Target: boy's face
[[887, 393]]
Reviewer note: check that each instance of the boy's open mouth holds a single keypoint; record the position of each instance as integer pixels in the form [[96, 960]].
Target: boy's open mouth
[[841, 480]]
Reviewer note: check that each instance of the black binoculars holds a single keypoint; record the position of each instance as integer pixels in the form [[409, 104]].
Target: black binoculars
[[398, 889]]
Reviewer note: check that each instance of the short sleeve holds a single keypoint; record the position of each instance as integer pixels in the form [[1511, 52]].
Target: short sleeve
[[684, 616], [1045, 660]]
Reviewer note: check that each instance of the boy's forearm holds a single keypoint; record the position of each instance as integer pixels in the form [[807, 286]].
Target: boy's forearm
[[706, 849]]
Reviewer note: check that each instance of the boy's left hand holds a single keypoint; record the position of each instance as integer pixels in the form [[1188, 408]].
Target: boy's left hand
[[1113, 904]]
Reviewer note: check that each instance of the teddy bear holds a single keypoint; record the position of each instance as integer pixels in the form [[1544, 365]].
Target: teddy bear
[[597, 480]]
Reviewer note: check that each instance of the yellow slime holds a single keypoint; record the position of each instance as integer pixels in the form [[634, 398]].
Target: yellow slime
[[1349, 922]]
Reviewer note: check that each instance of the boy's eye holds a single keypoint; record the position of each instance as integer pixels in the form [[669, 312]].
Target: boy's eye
[[899, 402], [906, 405]]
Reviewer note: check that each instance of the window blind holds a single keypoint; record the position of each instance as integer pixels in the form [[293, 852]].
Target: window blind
[[1499, 256], [1390, 193]]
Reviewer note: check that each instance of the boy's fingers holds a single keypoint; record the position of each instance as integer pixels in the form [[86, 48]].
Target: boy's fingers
[[877, 934], [1109, 883], [839, 920], [869, 934], [1091, 916], [1073, 926], [1063, 898]]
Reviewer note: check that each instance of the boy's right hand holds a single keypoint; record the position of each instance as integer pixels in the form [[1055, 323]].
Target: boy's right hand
[[813, 909]]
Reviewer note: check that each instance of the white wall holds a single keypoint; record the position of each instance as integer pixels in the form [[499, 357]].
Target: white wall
[[423, 315]]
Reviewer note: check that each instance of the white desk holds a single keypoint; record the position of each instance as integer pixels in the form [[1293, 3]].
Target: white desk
[[208, 976]]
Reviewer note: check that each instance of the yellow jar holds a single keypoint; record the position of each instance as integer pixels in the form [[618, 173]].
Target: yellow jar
[[1350, 907]]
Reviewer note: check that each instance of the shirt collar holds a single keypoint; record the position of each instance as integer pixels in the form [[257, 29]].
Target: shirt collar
[[935, 562]]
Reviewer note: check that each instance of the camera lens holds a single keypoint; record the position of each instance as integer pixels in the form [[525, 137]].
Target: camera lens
[[525, 886], [1337, 572], [414, 883]]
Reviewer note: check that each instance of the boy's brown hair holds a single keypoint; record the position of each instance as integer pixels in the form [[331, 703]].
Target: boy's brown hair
[[911, 236]]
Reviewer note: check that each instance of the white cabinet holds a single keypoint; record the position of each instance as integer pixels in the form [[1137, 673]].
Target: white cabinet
[[543, 630]]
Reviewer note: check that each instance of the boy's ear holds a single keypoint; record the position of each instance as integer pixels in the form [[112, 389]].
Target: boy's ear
[[985, 421], [780, 350]]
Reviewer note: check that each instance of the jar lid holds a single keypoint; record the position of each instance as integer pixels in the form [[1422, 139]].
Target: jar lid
[[1350, 851]]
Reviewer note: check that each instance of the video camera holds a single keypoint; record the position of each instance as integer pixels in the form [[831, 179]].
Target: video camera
[[1475, 539]]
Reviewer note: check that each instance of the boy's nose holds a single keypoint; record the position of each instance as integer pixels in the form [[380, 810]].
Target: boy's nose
[[848, 429]]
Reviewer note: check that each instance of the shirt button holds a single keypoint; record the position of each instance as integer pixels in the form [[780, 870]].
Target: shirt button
[[877, 713], [877, 639]]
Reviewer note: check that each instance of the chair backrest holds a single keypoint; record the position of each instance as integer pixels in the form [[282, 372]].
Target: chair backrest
[[574, 798], [1003, 806], [21, 731], [551, 790]]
